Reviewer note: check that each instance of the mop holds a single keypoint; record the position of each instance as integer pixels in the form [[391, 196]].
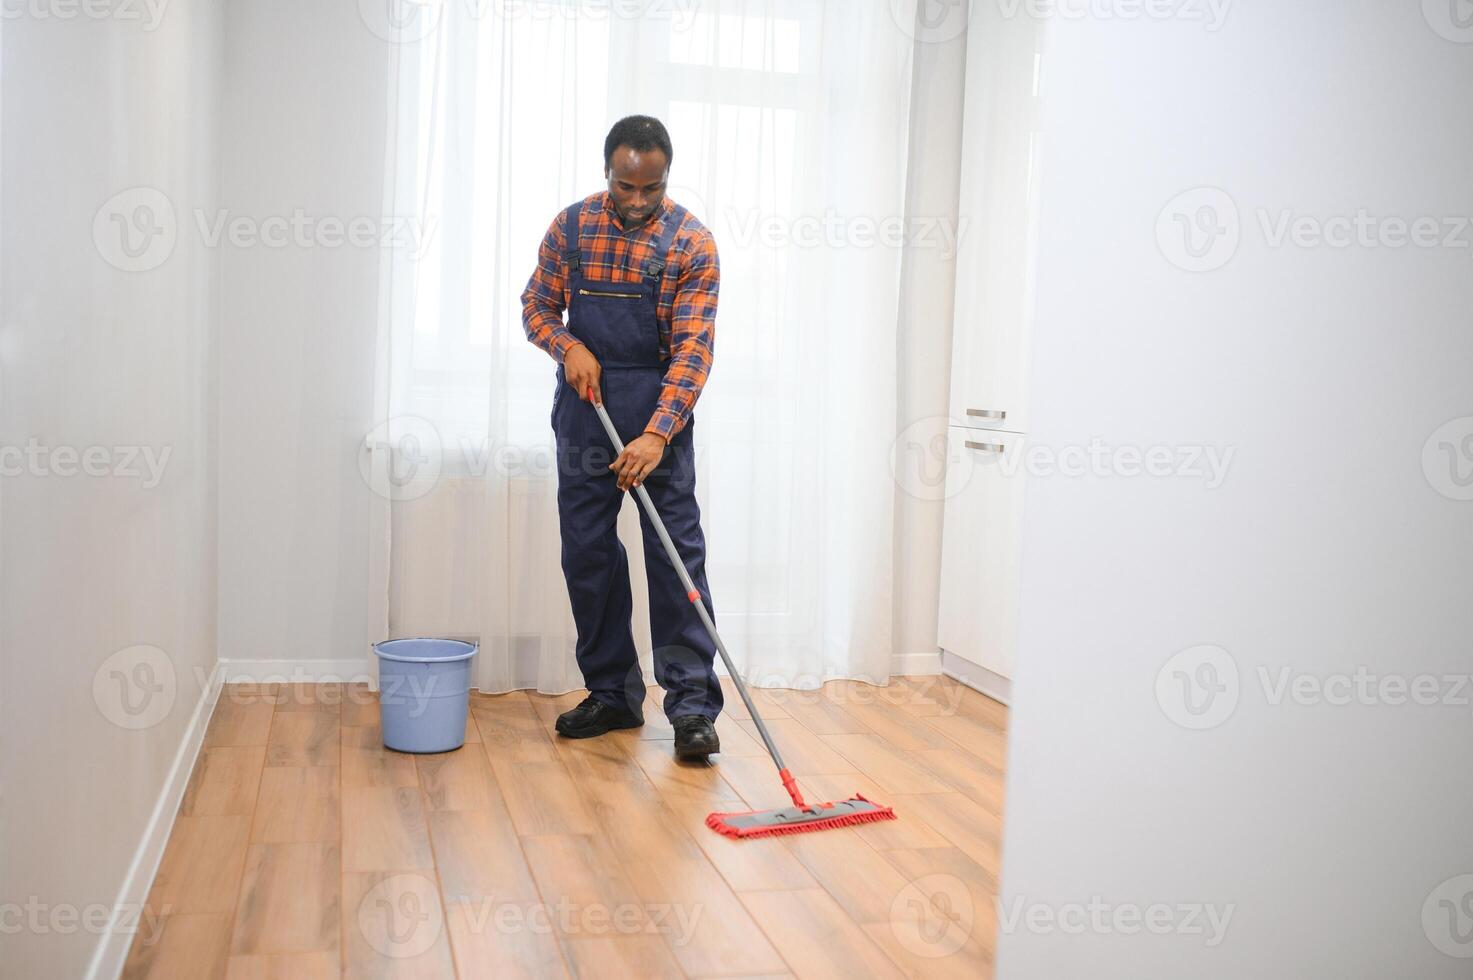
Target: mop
[[801, 817]]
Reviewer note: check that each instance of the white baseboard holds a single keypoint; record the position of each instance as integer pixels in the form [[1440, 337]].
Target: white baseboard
[[980, 679], [112, 949], [238, 671], [920, 662], [346, 670]]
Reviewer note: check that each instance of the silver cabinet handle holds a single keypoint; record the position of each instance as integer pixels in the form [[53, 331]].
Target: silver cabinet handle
[[982, 413], [986, 447]]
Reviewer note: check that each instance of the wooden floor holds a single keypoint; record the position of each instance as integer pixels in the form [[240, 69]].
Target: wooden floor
[[304, 849]]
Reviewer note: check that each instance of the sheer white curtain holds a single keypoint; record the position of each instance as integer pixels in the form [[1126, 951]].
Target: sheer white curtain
[[789, 125]]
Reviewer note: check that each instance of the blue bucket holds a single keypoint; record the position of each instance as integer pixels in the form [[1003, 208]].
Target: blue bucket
[[424, 693]]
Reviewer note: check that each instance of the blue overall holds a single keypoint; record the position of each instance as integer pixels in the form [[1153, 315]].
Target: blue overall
[[617, 322]]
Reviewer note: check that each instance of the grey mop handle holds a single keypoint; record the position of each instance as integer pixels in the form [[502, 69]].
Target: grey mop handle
[[690, 589]]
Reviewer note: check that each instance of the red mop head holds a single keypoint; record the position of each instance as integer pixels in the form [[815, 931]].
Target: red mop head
[[799, 819]]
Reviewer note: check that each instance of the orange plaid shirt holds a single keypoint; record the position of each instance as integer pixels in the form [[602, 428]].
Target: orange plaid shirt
[[686, 311]]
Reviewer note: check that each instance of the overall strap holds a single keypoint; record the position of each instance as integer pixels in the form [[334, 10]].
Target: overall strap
[[654, 266], [572, 252]]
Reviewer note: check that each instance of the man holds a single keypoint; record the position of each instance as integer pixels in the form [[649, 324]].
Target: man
[[638, 276]]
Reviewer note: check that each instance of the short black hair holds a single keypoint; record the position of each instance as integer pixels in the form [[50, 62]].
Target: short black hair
[[640, 133]]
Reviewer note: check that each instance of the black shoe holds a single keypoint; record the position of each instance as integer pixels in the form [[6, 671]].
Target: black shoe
[[592, 718], [695, 737]]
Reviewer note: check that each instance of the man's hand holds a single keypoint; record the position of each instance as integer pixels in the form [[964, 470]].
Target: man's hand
[[582, 371], [638, 460]]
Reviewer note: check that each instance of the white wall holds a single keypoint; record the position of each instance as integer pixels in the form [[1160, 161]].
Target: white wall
[[923, 355], [303, 129], [98, 358], [1327, 547]]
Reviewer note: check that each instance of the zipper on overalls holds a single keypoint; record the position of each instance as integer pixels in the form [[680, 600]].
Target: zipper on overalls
[[598, 292]]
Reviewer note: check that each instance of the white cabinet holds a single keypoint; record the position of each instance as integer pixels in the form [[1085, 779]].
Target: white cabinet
[[990, 355], [997, 204], [978, 618]]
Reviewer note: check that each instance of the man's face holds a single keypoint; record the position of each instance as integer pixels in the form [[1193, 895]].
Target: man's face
[[637, 183]]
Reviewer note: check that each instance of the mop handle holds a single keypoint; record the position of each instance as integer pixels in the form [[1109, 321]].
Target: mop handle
[[691, 592]]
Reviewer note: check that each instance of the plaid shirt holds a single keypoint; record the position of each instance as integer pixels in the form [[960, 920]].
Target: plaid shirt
[[686, 311]]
